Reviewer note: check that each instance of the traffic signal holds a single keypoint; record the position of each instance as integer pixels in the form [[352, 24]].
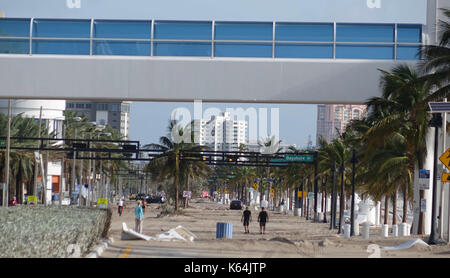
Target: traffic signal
[[128, 148], [231, 158]]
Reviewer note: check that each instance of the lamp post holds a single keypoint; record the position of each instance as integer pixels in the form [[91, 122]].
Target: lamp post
[[354, 160], [76, 119], [435, 122]]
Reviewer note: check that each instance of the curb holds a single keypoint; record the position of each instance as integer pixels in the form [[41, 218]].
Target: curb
[[98, 250]]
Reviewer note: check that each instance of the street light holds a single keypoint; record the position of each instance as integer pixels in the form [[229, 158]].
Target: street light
[[435, 122], [76, 119]]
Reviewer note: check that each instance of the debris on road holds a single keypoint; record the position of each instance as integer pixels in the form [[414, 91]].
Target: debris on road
[[408, 245]]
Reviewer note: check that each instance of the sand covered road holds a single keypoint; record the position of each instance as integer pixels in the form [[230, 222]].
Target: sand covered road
[[287, 236]]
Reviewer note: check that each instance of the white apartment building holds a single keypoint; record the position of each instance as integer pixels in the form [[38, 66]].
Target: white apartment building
[[221, 133]]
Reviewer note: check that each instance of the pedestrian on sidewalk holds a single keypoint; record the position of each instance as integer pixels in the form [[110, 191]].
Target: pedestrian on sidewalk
[[139, 214], [263, 217], [13, 202], [120, 206], [246, 218]]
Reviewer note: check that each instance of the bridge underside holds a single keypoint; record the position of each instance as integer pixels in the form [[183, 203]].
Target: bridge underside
[[187, 79]]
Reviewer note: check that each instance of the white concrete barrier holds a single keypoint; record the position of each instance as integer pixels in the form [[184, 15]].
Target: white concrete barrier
[[385, 230], [403, 229], [356, 228], [395, 230], [347, 230], [366, 230]]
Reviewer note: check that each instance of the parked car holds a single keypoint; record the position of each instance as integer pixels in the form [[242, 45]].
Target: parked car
[[236, 204], [156, 199], [141, 196]]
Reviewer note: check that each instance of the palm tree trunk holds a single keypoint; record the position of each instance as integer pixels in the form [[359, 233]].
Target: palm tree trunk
[[405, 203], [176, 179], [386, 209], [394, 209], [186, 201]]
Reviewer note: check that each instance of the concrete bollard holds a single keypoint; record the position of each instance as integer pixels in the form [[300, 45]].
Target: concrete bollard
[[320, 218], [356, 228], [347, 230], [395, 230], [385, 230], [402, 230], [366, 230], [297, 212], [408, 229]]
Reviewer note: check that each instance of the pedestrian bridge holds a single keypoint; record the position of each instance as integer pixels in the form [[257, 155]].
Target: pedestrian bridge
[[156, 60]]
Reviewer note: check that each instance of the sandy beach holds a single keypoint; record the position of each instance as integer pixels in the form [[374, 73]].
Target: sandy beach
[[287, 236]]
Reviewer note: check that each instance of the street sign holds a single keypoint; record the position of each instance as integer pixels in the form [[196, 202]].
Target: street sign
[[445, 158], [272, 192], [187, 194], [102, 203], [299, 158], [299, 194], [445, 177], [423, 205], [310, 195], [424, 179], [255, 186], [32, 200]]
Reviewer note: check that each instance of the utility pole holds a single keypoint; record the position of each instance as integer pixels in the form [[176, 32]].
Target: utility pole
[[354, 160], [435, 122]]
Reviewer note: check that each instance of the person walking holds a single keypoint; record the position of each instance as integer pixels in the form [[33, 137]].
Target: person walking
[[120, 206], [139, 214], [246, 218], [263, 217]]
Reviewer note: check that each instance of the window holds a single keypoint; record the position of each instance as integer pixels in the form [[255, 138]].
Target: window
[[357, 51], [52, 28], [197, 36], [304, 32], [43, 29], [79, 105], [63, 47], [365, 32], [14, 46], [130, 48], [409, 33], [11, 30], [121, 29], [102, 106], [239, 36]]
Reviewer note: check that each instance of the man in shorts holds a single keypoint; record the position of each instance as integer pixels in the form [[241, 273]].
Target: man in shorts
[[246, 218], [263, 217]]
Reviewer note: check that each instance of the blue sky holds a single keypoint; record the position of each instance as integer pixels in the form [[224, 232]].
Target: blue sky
[[149, 120]]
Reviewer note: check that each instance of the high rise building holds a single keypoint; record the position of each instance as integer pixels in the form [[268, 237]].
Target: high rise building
[[221, 133], [115, 114], [332, 119]]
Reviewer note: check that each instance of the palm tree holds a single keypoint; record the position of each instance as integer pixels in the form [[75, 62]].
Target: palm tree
[[402, 108], [168, 165]]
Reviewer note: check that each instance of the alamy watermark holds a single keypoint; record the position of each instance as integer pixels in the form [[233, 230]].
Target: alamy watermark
[[256, 121]]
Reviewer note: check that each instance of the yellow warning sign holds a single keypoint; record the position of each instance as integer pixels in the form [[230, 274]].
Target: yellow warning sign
[[102, 203], [32, 200]]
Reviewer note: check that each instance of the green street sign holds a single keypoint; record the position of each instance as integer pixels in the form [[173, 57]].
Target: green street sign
[[2, 143], [299, 158]]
